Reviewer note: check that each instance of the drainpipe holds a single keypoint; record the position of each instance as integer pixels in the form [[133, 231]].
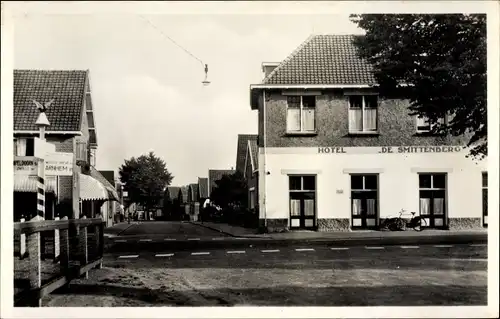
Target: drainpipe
[[264, 174]]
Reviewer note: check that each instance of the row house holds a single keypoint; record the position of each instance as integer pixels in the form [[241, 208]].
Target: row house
[[215, 175], [245, 165], [334, 154], [72, 131]]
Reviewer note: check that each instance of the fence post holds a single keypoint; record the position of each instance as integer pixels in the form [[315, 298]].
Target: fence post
[[57, 244], [22, 242], [34, 258], [98, 241], [64, 248], [82, 242]]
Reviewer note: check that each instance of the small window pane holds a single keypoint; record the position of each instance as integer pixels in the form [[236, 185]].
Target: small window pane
[[293, 101], [295, 183], [438, 206], [355, 120], [425, 206], [309, 183], [424, 180], [423, 123], [356, 182], [439, 181], [371, 182], [356, 206], [355, 101], [293, 119], [30, 147], [371, 101], [309, 207], [371, 208], [308, 120], [295, 207], [309, 101], [370, 119], [485, 179]]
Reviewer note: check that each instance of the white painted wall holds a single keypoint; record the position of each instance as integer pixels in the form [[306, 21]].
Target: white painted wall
[[398, 180]]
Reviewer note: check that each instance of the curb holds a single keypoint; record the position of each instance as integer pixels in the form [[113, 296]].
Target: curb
[[213, 228]]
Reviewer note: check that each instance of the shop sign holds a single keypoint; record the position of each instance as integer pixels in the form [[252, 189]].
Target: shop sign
[[390, 150], [56, 164]]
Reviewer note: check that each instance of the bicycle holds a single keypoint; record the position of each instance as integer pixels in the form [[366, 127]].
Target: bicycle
[[398, 223]]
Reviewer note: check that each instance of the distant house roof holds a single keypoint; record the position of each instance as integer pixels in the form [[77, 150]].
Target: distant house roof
[[323, 59], [109, 175], [184, 193], [203, 187], [215, 175], [193, 192], [253, 152], [172, 192], [241, 150], [67, 88]]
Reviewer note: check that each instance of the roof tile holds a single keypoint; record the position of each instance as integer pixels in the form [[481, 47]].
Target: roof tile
[[323, 59], [67, 88]]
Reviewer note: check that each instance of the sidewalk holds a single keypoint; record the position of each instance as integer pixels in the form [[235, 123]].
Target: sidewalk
[[237, 231]]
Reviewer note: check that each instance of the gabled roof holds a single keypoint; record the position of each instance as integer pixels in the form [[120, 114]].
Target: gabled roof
[[203, 187], [253, 151], [215, 175], [324, 60], [172, 192], [67, 88], [109, 175], [193, 191], [241, 150], [184, 193]]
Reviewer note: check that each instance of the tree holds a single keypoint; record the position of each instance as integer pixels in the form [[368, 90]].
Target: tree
[[441, 61], [230, 190], [145, 179]]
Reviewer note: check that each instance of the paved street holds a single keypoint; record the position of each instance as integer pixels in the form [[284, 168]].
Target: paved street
[[321, 275]]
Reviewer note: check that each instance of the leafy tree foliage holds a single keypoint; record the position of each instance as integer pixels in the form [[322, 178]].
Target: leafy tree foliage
[[145, 179], [230, 190], [441, 60]]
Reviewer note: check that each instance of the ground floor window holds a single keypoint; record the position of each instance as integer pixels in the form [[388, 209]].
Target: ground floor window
[[432, 194], [485, 198], [302, 191], [364, 200]]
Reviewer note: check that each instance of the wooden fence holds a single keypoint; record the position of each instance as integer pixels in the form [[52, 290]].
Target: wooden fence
[[49, 254]]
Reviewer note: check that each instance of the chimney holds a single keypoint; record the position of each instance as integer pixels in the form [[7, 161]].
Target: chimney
[[268, 67]]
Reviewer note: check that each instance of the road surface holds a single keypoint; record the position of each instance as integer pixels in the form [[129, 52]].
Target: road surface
[[313, 275]]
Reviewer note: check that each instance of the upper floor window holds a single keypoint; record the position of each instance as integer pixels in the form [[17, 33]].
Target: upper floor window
[[425, 126], [363, 112], [24, 147], [301, 114]]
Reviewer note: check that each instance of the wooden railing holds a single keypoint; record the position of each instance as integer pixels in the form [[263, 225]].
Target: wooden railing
[[74, 254]]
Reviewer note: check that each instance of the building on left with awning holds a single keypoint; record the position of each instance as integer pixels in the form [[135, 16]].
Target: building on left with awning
[[71, 186]]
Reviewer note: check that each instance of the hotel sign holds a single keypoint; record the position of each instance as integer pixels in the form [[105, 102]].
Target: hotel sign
[[390, 150], [56, 164]]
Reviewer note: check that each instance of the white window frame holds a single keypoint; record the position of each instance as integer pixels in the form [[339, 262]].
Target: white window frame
[[430, 126], [363, 108], [302, 108]]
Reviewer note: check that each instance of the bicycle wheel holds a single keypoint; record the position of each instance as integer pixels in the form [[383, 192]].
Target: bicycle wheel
[[419, 223]]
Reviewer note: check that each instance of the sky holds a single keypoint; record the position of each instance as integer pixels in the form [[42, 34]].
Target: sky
[[147, 92]]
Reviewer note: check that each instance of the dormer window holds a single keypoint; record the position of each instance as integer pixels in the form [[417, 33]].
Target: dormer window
[[363, 113], [425, 126], [301, 114]]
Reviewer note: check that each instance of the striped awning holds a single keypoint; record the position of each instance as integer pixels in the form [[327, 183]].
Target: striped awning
[[92, 189], [26, 183]]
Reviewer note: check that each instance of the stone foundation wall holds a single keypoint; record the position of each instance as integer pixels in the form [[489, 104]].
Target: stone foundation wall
[[334, 224], [274, 225], [464, 223]]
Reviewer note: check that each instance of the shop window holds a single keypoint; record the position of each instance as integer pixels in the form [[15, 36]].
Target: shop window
[[432, 194], [364, 198]]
